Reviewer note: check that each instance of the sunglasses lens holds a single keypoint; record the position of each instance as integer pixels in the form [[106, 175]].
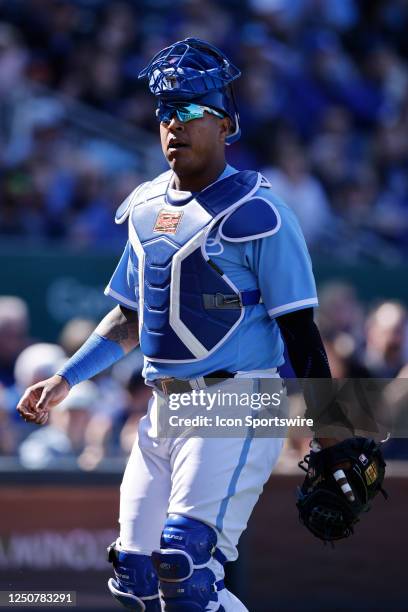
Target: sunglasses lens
[[164, 114], [189, 112], [184, 112]]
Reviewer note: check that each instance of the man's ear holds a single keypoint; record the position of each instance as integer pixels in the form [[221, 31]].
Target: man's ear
[[225, 127]]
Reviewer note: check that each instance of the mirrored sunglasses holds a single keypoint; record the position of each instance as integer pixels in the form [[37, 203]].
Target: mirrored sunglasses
[[184, 112]]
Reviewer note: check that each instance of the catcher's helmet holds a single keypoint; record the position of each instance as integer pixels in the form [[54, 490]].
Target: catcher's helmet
[[196, 71]]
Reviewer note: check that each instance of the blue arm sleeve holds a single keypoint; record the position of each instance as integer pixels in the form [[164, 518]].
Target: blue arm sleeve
[[94, 356]]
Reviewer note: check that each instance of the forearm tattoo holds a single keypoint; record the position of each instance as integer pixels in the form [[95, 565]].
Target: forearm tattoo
[[120, 327], [123, 332]]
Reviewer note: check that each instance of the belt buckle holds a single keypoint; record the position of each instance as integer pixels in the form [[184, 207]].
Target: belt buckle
[[233, 299], [164, 382], [219, 300], [223, 301]]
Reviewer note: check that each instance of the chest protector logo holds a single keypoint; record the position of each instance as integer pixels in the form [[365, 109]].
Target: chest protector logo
[[167, 222], [175, 275]]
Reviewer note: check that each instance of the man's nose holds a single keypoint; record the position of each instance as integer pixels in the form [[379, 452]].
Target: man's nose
[[175, 124]]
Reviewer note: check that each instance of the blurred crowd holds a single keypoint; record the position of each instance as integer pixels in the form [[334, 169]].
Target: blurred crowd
[[97, 422], [323, 101]]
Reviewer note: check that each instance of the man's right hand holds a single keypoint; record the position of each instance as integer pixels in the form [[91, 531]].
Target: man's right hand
[[35, 404]]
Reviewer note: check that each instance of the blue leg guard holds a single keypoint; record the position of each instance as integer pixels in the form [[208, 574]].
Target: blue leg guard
[[135, 585], [188, 549]]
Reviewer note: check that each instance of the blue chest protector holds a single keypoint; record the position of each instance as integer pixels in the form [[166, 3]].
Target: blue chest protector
[[187, 306]]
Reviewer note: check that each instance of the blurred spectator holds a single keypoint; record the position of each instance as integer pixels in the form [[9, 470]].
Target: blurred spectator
[[37, 362], [343, 359], [74, 333], [114, 435], [356, 197], [14, 323], [13, 59], [64, 436], [332, 74], [291, 181], [335, 147], [36, 132], [386, 332], [340, 312], [92, 216]]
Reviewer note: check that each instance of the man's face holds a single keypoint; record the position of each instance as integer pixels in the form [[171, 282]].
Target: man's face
[[192, 146]]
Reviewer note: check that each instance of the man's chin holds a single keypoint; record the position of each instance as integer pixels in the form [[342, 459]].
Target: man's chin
[[179, 165]]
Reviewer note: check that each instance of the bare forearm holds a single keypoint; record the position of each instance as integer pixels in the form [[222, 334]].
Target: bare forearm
[[120, 325]]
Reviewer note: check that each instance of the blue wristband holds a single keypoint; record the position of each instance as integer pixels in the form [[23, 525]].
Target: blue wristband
[[94, 356]]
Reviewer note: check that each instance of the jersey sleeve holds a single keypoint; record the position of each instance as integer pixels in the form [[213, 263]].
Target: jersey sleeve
[[284, 269], [123, 286]]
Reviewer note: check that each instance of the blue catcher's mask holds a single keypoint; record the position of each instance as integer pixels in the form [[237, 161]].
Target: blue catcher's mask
[[193, 70]]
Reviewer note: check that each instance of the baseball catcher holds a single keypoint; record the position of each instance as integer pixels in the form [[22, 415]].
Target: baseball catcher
[[214, 279]]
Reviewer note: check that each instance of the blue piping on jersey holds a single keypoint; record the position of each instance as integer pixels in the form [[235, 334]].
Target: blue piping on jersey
[[237, 472]]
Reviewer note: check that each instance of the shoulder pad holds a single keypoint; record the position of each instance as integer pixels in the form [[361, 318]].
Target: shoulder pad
[[123, 211], [225, 193], [255, 218]]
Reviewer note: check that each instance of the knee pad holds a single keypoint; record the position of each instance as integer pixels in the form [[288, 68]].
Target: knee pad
[[185, 563], [135, 585]]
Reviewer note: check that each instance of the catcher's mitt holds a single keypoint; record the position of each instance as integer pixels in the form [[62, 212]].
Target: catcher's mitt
[[340, 483]]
